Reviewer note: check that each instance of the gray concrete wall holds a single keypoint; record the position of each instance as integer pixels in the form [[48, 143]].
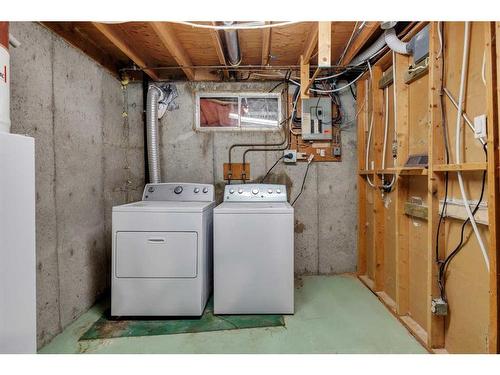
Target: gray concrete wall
[[88, 158], [326, 213]]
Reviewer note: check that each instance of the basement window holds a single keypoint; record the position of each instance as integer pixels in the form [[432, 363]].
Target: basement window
[[238, 111]]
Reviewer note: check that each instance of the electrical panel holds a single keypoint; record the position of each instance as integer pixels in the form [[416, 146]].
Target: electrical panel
[[317, 119]]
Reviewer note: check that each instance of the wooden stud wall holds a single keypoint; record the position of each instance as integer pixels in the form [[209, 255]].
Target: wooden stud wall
[[396, 252]]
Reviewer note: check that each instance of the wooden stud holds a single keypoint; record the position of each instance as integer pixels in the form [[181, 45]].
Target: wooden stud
[[378, 202], [304, 78], [362, 269], [310, 44], [493, 106], [401, 192], [122, 45], [325, 44], [266, 45], [174, 47], [435, 189]]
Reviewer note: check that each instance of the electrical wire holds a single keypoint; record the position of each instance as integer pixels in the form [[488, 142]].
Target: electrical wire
[[444, 127], [270, 169], [303, 183], [354, 30], [445, 264], [241, 26]]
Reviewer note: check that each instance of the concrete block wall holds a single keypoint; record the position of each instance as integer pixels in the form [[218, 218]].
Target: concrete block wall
[[326, 214], [89, 157]]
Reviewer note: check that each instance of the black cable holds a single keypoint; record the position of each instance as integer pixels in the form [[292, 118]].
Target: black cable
[[447, 154], [444, 264], [352, 92], [303, 183], [278, 85], [270, 169]]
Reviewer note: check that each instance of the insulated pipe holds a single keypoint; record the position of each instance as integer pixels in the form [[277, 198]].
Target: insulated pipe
[[232, 45], [154, 94], [461, 95], [393, 42]]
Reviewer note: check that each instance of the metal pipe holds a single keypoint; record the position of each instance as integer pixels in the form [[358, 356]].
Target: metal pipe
[[154, 94], [232, 45]]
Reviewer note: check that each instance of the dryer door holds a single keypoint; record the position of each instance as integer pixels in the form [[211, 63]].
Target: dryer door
[[156, 254]]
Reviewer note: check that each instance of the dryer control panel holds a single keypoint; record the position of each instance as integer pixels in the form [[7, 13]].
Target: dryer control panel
[[179, 192], [255, 193]]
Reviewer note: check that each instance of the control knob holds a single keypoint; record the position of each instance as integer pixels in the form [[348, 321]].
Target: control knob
[[178, 190]]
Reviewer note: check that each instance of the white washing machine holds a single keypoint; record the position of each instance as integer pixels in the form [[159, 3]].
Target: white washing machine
[[162, 251], [254, 251]]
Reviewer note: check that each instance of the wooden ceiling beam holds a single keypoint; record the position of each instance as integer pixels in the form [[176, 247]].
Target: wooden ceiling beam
[[310, 44], [219, 48], [369, 30], [70, 32], [174, 47], [123, 46], [266, 45]]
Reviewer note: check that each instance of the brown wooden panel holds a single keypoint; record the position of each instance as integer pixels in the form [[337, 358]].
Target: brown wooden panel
[[237, 170]]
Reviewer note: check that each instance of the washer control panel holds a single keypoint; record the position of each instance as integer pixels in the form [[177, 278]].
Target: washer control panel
[[255, 193], [183, 192]]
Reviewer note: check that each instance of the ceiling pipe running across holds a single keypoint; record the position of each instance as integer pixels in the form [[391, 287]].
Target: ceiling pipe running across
[[232, 45]]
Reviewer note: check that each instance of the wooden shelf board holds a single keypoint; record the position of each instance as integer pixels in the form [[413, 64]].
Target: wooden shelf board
[[480, 166], [363, 172]]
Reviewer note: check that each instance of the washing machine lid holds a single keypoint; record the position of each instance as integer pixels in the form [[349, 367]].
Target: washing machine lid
[[164, 206], [254, 208]]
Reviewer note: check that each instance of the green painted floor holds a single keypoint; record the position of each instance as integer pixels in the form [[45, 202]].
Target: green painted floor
[[334, 314]]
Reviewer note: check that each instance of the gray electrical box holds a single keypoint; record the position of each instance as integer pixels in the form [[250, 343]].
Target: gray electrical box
[[317, 119], [420, 45]]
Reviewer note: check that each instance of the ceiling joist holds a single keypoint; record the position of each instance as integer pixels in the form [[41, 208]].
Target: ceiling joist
[[123, 46], [174, 47], [266, 45], [310, 44], [366, 33], [219, 48]]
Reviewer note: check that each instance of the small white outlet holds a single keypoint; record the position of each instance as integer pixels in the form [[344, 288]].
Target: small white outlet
[[480, 126], [290, 156]]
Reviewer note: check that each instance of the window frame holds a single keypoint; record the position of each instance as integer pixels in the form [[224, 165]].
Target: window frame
[[239, 95]]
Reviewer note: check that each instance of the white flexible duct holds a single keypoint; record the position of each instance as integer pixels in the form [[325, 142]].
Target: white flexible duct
[[461, 95], [369, 52], [393, 42], [153, 97]]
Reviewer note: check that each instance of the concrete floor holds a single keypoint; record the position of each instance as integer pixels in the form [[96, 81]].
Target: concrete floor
[[334, 314]]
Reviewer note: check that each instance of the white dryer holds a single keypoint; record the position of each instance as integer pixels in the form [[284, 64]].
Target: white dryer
[[254, 251], [162, 251]]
